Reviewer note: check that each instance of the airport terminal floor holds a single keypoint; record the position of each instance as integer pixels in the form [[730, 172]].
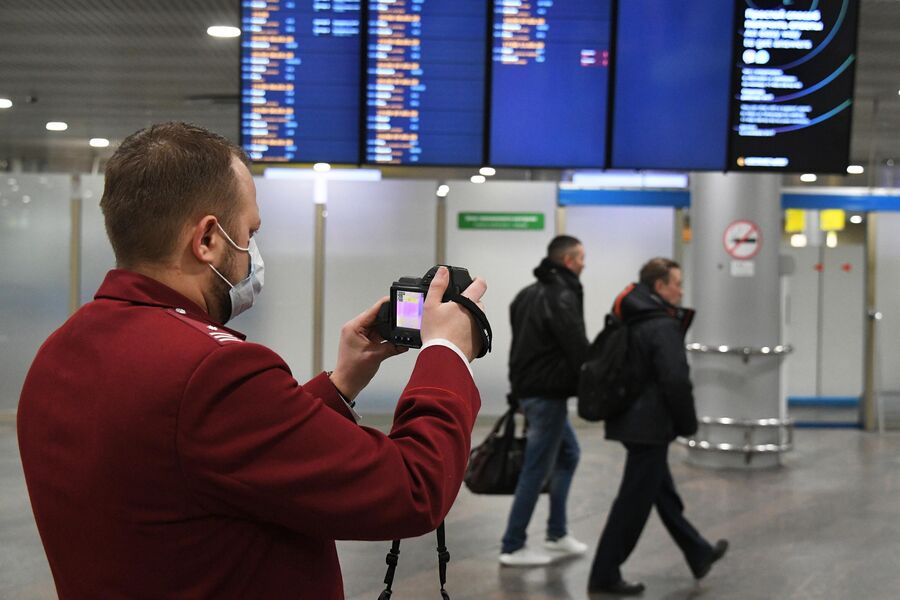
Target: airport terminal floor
[[826, 525]]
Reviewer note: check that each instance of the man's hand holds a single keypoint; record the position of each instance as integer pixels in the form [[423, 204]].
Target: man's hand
[[449, 320], [360, 353]]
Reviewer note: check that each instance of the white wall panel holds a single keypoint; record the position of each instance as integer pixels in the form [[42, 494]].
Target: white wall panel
[[97, 256], [35, 229], [843, 321], [282, 317], [824, 320], [375, 233], [687, 254], [617, 240], [887, 290], [504, 258], [801, 321]]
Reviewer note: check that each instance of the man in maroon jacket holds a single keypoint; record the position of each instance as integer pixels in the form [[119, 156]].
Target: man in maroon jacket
[[166, 457]]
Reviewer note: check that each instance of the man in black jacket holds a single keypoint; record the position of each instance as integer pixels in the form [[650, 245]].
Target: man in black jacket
[[549, 344], [663, 410]]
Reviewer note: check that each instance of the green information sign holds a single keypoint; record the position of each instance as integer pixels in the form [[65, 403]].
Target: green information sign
[[500, 220]]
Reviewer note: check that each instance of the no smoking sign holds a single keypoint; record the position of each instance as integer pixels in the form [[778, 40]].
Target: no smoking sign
[[742, 240]]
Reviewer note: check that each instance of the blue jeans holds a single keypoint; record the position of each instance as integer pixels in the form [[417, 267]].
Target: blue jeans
[[551, 451]]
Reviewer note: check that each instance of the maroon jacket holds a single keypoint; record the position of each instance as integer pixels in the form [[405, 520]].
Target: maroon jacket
[[167, 458]]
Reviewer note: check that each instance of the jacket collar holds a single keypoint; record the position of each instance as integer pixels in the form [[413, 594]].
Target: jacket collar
[[638, 302], [550, 272], [132, 287]]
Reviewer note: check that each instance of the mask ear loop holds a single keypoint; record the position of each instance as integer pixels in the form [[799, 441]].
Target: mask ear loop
[[231, 241], [231, 285]]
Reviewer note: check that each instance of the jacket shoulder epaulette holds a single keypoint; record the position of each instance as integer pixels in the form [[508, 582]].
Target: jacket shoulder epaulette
[[218, 334]]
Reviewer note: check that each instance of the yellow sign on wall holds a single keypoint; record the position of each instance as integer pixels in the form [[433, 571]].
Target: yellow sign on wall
[[794, 220], [832, 219]]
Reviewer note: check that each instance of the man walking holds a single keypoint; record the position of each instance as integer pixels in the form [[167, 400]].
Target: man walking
[[549, 344], [663, 410]]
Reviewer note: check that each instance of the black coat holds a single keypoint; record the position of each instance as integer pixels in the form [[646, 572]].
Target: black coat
[[665, 407], [549, 341]]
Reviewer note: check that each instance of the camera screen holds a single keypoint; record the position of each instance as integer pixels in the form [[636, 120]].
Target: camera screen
[[409, 309]]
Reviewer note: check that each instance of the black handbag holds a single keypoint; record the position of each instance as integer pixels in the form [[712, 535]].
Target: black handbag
[[495, 464]]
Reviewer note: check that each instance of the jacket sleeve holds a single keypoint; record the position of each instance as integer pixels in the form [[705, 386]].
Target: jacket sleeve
[[254, 444], [566, 322], [673, 376]]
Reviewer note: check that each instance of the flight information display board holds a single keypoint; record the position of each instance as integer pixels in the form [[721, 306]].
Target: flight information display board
[[793, 85], [300, 80], [672, 82], [549, 78], [425, 82], [717, 85]]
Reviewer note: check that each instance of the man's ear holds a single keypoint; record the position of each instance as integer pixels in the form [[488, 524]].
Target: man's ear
[[204, 244]]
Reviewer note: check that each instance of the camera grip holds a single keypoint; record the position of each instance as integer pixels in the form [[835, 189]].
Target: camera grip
[[382, 324]]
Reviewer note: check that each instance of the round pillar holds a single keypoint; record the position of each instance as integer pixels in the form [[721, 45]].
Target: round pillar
[[735, 342]]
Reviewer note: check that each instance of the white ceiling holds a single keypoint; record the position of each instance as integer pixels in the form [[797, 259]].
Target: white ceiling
[[110, 67]]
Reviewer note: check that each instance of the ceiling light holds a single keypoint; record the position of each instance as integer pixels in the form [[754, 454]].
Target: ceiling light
[[5, 103], [856, 219], [808, 177], [856, 170], [488, 171], [98, 142], [443, 190], [477, 179], [321, 167], [57, 126], [223, 31]]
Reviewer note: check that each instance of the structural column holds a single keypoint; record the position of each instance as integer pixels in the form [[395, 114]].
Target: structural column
[[736, 339]]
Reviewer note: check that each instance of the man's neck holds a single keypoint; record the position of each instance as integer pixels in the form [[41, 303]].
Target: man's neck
[[174, 277]]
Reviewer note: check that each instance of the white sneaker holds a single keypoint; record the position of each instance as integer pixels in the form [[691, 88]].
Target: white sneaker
[[525, 557], [565, 546]]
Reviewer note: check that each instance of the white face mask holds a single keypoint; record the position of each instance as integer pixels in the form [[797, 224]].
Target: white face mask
[[244, 292]]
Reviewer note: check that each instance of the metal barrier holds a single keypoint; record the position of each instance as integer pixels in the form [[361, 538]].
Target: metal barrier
[[744, 352], [750, 426]]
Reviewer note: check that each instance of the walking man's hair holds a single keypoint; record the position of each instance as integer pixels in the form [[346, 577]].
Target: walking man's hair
[[562, 246], [657, 269]]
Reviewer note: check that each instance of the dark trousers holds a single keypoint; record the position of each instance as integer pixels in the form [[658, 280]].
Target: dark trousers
[[647, 482]]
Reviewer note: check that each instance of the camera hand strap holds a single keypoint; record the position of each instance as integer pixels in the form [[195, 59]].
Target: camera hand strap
[[443, 559], [484, 326], [394, 556]]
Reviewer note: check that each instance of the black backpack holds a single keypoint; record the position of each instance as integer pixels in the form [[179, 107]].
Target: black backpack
[[608, 382]]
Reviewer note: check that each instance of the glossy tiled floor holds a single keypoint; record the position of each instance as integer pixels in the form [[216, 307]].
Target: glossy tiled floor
[[825, 526]]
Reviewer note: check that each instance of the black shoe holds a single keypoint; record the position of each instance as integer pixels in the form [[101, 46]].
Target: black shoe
[[619, 588], [718, 552]]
